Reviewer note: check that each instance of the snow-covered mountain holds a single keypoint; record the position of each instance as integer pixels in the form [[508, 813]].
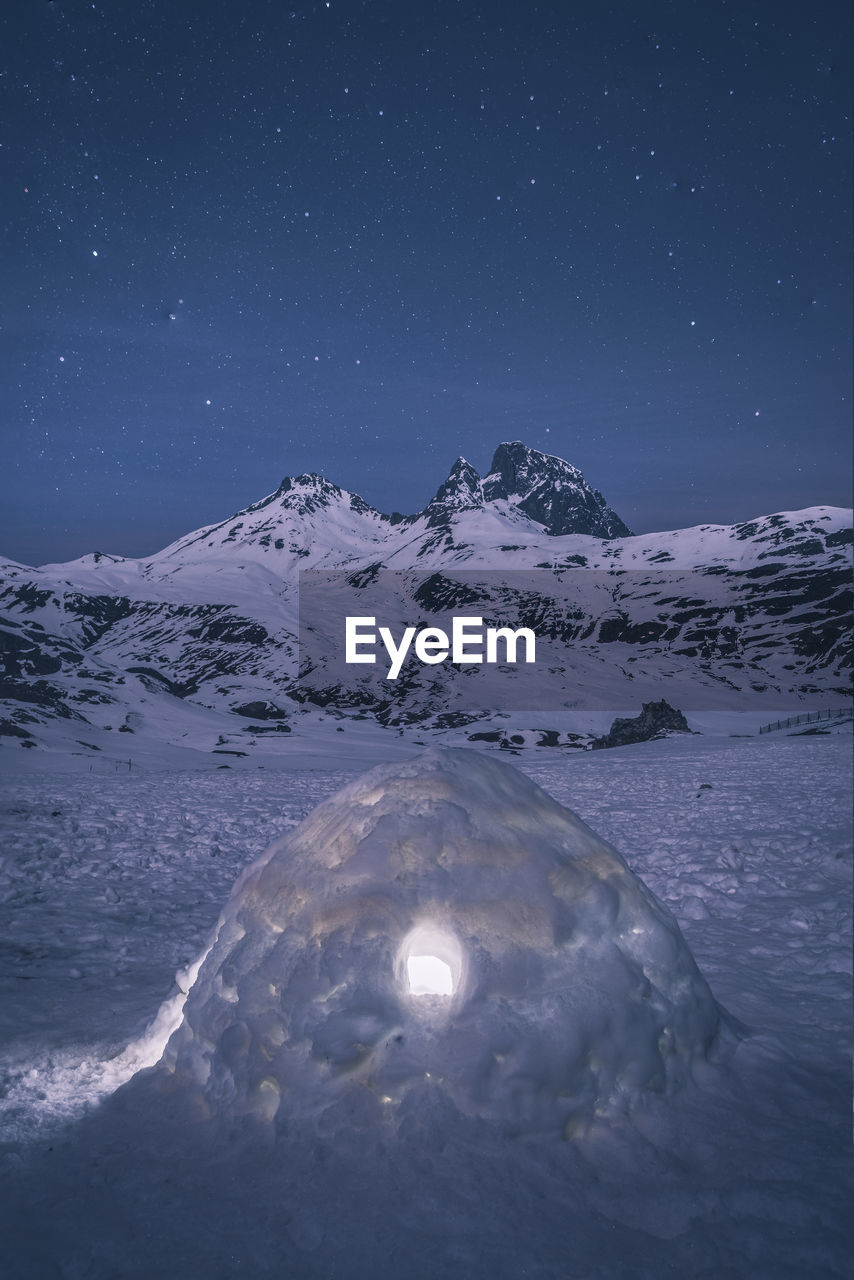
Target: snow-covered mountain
[[198, 643], [547, 490], [308, 522]]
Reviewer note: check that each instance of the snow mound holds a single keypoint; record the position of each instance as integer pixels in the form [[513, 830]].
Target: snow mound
[[440, 929]]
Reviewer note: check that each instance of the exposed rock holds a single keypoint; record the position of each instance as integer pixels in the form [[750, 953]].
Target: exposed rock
[[550, 491], [544, 488], [655, 721], [261, 711]]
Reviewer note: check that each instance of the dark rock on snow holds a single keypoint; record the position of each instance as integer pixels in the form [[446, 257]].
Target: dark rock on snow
[[655, 721]]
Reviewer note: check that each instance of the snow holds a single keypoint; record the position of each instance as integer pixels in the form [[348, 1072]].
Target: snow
[[220, 622], [149, 661], [112, 883], [572, 989], [319, 525], [122, 876]]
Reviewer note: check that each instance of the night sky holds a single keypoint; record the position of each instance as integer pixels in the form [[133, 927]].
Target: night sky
[[244, 240]]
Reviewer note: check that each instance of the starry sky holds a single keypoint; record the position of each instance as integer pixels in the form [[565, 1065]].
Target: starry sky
[[360, 238]]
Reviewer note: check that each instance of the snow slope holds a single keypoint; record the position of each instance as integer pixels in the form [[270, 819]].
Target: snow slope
[[746, 615], [110, 884]]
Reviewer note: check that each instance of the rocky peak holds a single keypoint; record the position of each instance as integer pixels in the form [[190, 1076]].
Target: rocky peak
[[461, 491], [295, 488], [311, 492], [545, 488], [550, 491], [516, 471]]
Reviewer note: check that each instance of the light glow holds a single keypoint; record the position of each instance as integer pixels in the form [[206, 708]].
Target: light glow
[[429, 976], [431, 962]]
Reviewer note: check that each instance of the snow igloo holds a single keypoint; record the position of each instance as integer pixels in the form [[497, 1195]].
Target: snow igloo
[[441, 926]]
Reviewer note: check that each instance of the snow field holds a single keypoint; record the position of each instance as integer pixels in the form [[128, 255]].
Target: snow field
[[749, 844], [748, 1174], [108, 887]]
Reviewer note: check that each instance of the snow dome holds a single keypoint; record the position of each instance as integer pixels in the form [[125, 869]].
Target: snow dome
[[441, 926]]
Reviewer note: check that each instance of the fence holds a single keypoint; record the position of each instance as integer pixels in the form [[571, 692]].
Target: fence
[[809, 717]]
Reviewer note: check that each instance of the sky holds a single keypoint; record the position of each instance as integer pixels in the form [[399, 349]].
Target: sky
[[244, 241]]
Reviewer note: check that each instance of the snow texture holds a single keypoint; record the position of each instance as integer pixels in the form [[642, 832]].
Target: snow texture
[[573, 988], [115, 658], [111, 882]]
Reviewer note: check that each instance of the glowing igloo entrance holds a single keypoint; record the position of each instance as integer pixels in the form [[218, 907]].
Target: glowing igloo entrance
[[433, 961], [441, 920], [429, 976]]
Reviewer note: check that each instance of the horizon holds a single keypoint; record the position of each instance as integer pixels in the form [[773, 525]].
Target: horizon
[[389, 511], [360, 241]]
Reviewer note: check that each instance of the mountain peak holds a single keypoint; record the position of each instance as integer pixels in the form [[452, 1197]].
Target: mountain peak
[[546, 489], [518, 468], [550, 491], [309, 493], [309, 481], [461, 491], [543, 487]]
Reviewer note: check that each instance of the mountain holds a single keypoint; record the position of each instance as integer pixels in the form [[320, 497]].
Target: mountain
[[549, 491], [308, 522], [198, 646]]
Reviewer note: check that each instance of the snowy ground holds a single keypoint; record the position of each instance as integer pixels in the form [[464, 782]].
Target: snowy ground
[[109, 884]]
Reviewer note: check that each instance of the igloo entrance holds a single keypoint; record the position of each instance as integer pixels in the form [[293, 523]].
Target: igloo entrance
[[433, 961]]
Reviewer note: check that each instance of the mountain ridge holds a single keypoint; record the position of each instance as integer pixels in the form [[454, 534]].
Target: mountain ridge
[[191, 641], [544, 487], [522, 484]]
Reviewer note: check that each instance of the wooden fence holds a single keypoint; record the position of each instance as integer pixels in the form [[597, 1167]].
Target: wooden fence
[[809, 717]]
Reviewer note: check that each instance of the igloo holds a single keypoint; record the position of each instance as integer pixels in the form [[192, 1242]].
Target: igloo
[[441, 926]]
